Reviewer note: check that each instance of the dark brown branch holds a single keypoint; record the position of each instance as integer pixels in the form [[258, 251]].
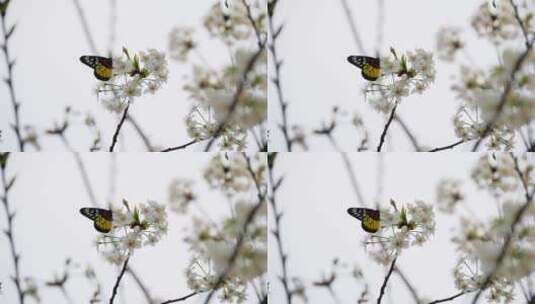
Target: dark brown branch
[[118, 129], [140, 132], [508, 87], [447, 147], [520, 23], [121, 274], [182, 298], [449, 298], [383, 287], [248, 220], [239, 89], [277, 78], [9, 231], [387, 125], [253, 23], [181, 146], [9, 80], [274, 186], [509, 237]]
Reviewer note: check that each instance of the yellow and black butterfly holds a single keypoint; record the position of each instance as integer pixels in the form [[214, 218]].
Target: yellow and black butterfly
[[370, 218], [102, 218], [101, 66], [370, 66]]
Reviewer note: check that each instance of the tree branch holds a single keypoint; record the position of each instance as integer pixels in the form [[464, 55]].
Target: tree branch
[[510, 235], [248, 220], [449, 298], [385, 130], [411, 136], [140, 132], [121, 274], [503, 99], [181, 146], [140, 284], [118, 129], [274, 186], [239, 89], [447, 147], [277, 78], [9, 79], [9, 231], [353, 26], [383, 287], [182, 298]]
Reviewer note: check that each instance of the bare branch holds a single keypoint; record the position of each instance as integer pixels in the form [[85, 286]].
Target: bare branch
[[353, 26], [277, 63], [387, 125], [140, 132], [184, 298], [274, 186], [180, 147], [85, 27], [121, 274], [447, 147], [118, 129], [383, 287], [449, 298]]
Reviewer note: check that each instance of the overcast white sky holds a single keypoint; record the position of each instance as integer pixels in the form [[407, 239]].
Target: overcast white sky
[[316, 76], [316, 227], [48, 76], [47, 197]]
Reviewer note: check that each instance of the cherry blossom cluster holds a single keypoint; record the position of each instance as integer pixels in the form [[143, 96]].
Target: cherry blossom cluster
[[134, 228]]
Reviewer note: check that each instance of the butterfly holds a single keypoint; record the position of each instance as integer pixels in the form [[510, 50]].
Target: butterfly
[[102, 218], [370, 66], [370, 218], [102, 66]]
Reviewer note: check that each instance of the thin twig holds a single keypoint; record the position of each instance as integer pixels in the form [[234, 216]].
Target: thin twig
[[140, 284], [274, 186], [121, 274], [9, 231], [520, 23], [140, 132], [248, 220], [353, 26], [118, 129], [9, 81], [509, 237], [387, 125], [408, 284], [277, 63], [182, 298], [253, 23], [239, 89], [508, 87], [180, 147], [353, 178], [383, 287], [447, 147], [85, 27], [407, 131], [449, 298]]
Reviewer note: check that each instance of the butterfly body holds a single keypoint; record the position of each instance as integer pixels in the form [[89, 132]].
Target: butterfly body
[[370, 219], [102, 66], [102, 218], [370, 66]]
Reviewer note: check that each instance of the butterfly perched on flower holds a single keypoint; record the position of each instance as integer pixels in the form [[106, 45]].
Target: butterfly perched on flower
[[370, 218], [101, 66], [102, 218], [370, 66]]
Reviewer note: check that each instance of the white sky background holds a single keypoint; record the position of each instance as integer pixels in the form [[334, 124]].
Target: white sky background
[[316, 76], [48, 227], [316, 228], [48, 76]]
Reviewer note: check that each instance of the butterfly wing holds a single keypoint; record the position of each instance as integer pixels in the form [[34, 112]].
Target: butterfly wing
[[101, 66], [102, 218], [370, 66], [370, 219]]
